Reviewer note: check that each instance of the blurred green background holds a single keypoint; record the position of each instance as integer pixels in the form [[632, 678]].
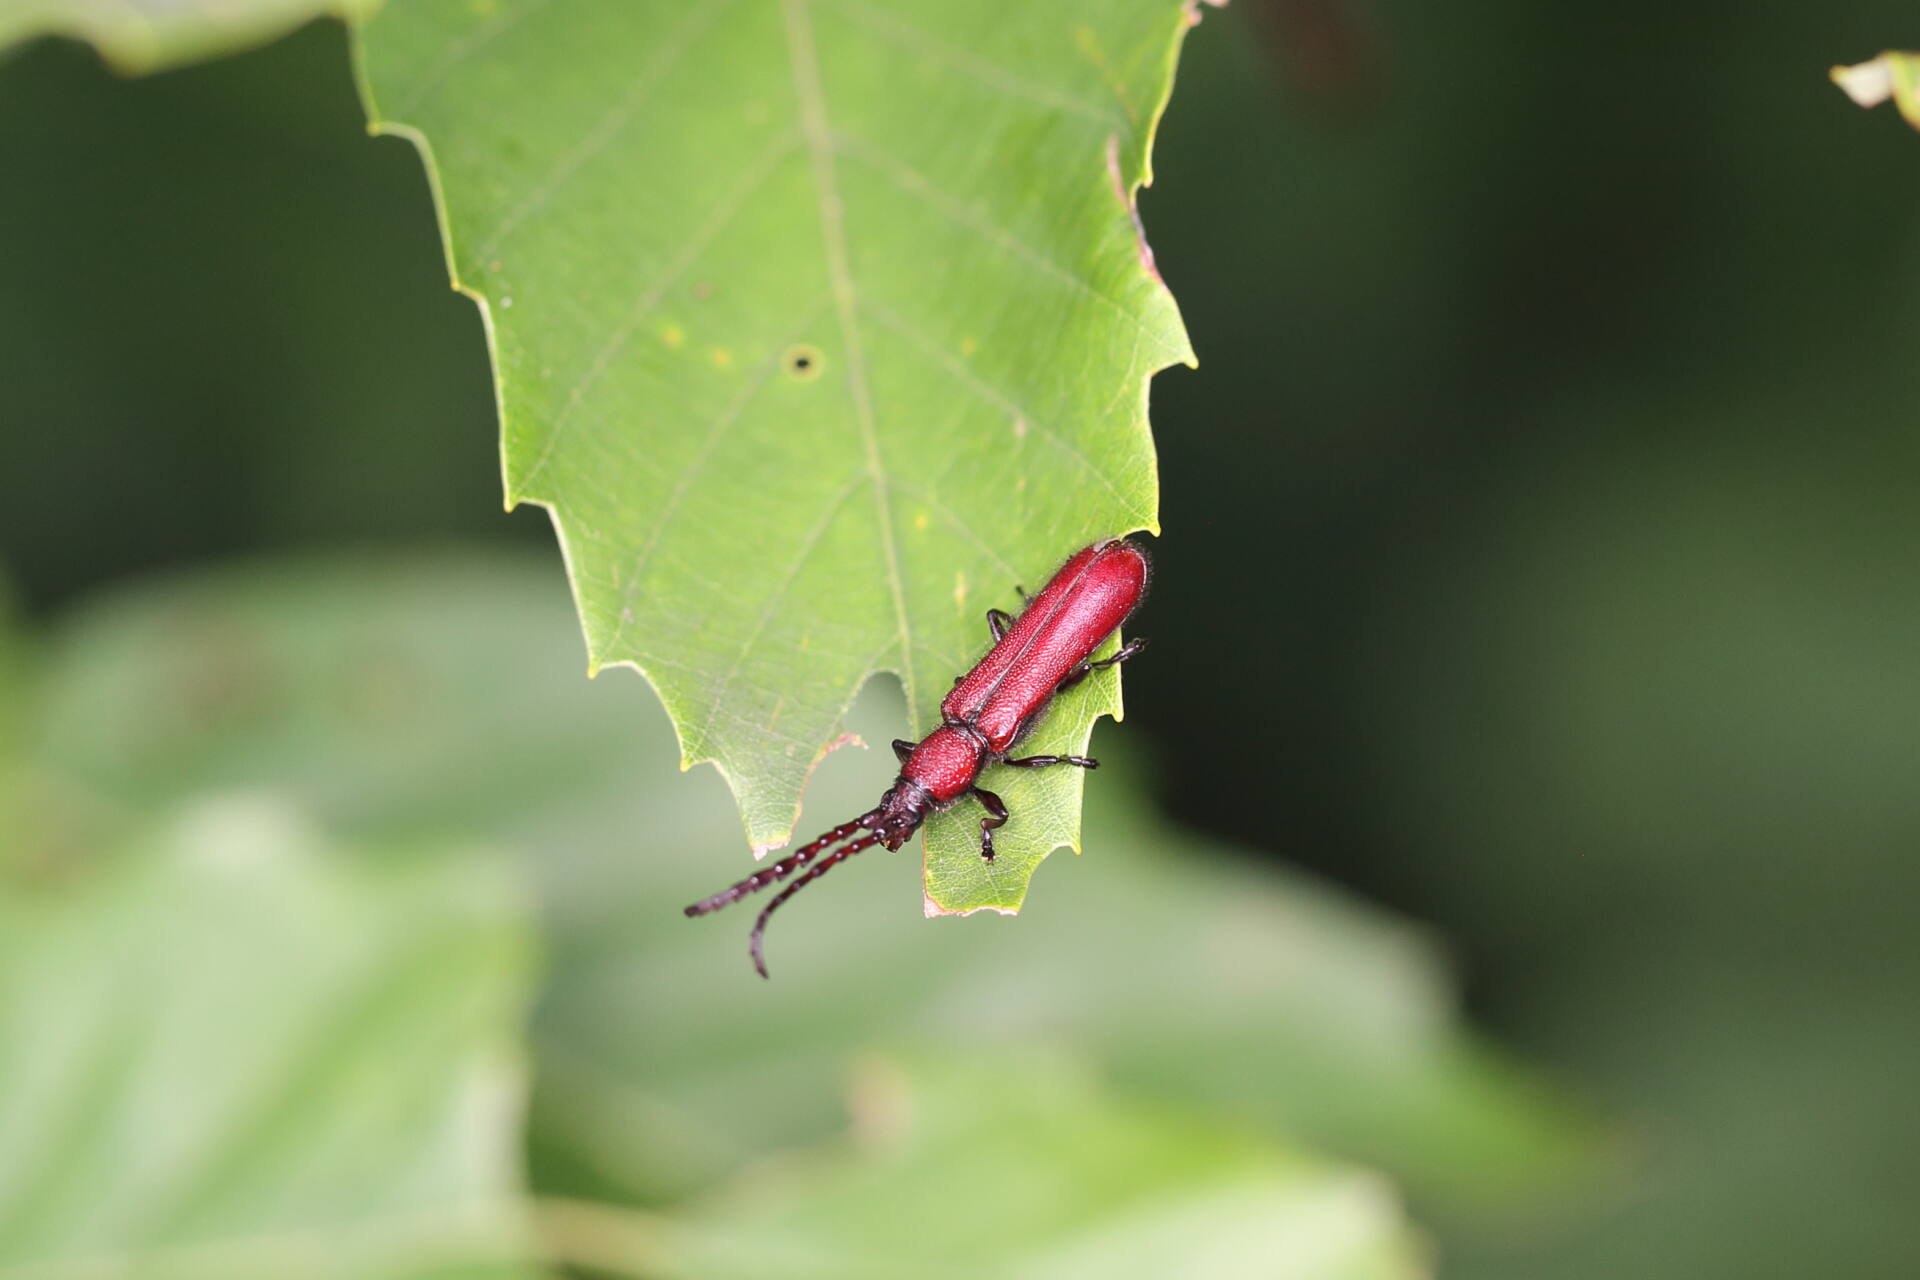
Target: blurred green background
[[1554, 388]]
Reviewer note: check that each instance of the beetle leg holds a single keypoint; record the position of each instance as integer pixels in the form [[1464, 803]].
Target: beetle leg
[[1041, 762], [902, 748], [1120, 655], [998, 620], [1086, 669], [996, 817]]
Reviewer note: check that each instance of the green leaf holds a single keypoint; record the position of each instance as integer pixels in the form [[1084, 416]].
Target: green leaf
[[819, 326], [234, 1052], [1185, 971], [147, 35], [1021, 1167]]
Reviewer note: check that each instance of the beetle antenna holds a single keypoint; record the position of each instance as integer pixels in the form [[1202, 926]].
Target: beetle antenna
[[782, 869], [814, 872]]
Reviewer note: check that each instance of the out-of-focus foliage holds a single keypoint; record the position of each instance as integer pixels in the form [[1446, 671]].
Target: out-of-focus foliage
[[231, 1049], [225, 322], [143, 35], [988, 1165], [784, 357], [375, 702], [1689, 750], [1892, 75]]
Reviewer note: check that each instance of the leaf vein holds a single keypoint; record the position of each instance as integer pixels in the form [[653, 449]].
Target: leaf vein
[[934, 504], [916, 184], [460, 50], [716, 221], [805, 65], [665, 57], [986, 391], [829, 513], [903, 34], [756, 383]]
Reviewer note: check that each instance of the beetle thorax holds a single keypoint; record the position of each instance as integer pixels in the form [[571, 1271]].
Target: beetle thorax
[[946, 762]]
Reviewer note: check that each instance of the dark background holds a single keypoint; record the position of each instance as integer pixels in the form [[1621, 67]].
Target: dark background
[[1540, 525]]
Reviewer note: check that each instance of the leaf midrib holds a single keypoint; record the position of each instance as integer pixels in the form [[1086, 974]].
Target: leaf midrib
[[804, 64]]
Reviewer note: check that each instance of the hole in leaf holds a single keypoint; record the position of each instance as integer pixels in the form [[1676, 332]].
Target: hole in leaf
[[802, 363]]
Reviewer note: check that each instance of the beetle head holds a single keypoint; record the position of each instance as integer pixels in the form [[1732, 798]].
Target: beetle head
[[900, 813]]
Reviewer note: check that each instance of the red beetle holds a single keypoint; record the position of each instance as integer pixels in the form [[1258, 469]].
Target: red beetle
[[1047, 649]]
